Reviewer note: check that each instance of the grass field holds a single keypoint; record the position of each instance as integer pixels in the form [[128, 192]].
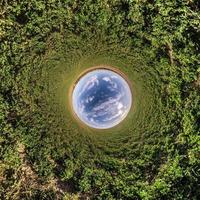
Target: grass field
[[46, 153]]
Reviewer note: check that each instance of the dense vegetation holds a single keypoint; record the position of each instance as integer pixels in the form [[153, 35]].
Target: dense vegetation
[[45, 45]]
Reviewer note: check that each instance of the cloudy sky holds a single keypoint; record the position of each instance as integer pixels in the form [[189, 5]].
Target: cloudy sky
[[102, 98]]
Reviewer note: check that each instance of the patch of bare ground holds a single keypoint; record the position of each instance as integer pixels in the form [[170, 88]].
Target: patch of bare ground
[[197, 82], [27, 180]]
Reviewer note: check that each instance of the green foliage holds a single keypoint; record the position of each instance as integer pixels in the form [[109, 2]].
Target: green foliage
[[45, 45]]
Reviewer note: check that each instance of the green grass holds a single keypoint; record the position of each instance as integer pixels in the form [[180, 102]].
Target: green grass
[[45, 153]]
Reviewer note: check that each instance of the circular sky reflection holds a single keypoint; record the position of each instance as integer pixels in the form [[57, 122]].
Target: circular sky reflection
[[101, 98]]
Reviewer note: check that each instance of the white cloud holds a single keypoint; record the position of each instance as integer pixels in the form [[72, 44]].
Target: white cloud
[[107, 104], [113, 76], [120, 112], [91, 98], [106, 78], [81, 108], [90, 84], [120, 105], [113, 84], [91, 119]]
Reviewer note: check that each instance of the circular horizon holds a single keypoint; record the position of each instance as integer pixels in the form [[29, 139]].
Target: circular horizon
[[101, 98]]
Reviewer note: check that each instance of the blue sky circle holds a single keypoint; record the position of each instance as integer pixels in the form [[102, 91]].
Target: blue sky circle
[[101, 98]]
